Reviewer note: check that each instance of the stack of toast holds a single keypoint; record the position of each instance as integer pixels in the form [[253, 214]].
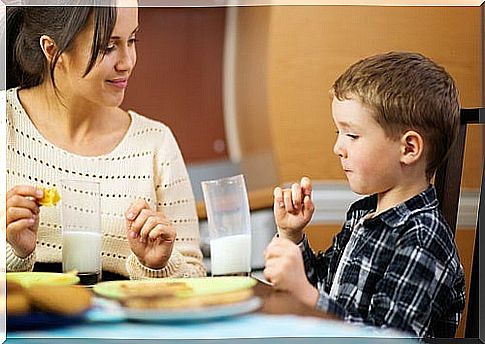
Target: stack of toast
[[174, 295], [61, 300]]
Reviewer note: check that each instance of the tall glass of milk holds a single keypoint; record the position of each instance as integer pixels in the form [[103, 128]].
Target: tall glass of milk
[[229, 223], [81, 229]]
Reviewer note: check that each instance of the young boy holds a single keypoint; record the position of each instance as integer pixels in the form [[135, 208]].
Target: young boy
[[394, 263]]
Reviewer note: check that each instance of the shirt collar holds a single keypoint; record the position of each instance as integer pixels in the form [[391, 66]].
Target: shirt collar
[[399, 214]]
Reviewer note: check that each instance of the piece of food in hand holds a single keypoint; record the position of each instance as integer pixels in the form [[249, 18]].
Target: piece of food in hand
[[51, 197], [67, 300]]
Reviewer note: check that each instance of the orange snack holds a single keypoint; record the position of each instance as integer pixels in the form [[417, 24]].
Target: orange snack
[[51, 197]]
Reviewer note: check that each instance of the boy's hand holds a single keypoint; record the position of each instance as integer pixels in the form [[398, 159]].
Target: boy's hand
[[285, 270], [293, 209], [150, 235]]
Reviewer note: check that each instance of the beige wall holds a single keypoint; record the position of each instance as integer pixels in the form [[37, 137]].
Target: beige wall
[[256, 143], [300, 50], [251, 82]]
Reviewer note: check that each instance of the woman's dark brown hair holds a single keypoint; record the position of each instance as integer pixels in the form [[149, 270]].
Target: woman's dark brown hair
[[26, 64]]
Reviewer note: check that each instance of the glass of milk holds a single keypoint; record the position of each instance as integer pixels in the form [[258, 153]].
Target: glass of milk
[[229, 225], [81, 229]]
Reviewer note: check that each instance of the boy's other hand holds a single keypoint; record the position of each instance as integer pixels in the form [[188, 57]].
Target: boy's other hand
[[285, 270], [293, 209]]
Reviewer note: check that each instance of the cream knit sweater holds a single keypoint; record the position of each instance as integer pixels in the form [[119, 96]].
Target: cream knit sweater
[[146, 164]]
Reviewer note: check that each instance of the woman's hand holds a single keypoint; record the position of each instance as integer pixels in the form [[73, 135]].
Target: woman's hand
[[293, 209], [150, 235], [284, 268], [23, 218]]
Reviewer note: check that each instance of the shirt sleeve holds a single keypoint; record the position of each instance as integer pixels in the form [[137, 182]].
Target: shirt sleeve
[[403, 296], [15, 263], [176, 201], [316, 266]]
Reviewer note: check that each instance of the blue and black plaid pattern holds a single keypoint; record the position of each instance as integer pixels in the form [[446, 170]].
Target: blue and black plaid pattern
[[403, 270]]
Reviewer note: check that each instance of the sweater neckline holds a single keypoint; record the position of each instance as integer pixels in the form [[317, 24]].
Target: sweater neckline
[[33, 129]]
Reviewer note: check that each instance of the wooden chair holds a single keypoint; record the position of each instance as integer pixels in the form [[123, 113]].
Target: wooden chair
[[447, 183]]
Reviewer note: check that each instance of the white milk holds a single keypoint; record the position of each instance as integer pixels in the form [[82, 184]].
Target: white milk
[[81, 251], [231, 254]]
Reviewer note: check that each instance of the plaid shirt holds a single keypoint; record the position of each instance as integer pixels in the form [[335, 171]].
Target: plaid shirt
[[402, 270]]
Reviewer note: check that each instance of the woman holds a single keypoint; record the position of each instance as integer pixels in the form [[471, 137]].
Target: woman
[[69, 68]]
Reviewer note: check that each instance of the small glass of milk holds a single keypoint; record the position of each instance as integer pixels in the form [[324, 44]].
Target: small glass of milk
[[229, 225], [81, 229]]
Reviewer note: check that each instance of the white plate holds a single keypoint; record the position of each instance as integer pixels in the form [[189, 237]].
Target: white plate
[[104, 310], [190, 314]]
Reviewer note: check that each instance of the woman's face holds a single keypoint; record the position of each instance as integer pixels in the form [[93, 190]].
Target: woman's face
[[106, 82]]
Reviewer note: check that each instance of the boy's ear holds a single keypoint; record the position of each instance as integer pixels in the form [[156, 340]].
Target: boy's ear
[[49, 47], [412, 147]]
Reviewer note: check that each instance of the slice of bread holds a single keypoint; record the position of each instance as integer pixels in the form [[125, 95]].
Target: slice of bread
[[17, 304], [67, 300], [162, 301], [130, 289], [17, 300]]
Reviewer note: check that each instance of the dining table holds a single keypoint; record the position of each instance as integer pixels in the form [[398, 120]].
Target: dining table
[[278, 318]]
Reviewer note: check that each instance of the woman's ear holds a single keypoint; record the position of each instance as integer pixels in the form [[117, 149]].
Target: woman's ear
[[48, 46], [412, 147]]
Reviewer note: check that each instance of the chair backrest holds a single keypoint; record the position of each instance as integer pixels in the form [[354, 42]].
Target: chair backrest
[[447, 183]]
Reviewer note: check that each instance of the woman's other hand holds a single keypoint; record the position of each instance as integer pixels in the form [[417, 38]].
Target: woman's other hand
[[293, 209], [23, 218], [150, 235]]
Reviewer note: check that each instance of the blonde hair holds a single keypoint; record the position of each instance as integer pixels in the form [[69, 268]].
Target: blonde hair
[[406, 91]]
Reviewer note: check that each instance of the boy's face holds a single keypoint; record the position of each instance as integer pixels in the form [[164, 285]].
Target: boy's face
[[370, 160]]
